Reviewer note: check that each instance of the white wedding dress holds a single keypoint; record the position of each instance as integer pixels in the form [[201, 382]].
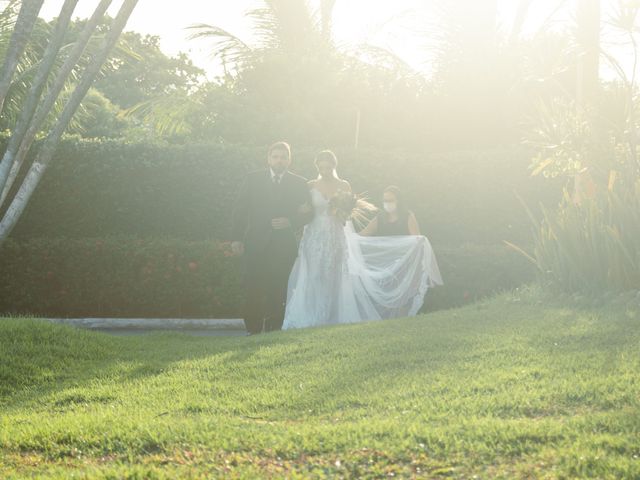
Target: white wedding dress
[[342, 277]]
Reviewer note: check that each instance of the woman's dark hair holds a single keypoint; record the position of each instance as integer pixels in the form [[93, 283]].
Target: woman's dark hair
[[403, 210]]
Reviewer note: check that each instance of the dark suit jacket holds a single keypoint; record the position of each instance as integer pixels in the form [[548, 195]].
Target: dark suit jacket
[[260, 200]]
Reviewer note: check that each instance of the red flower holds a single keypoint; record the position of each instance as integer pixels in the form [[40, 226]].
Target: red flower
[[193, 266]]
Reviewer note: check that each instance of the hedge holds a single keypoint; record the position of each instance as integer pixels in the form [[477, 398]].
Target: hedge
[[119, 277], [472, 272], [127, 230], [169, 278], [102, 188]]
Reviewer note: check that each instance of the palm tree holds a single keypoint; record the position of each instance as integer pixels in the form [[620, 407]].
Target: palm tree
[[289, 36], [30, 104], [299, 83], [45, 153], [284, 28], [23, 27], [27, 62], [33, 111]]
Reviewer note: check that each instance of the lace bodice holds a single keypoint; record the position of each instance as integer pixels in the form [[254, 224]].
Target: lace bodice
[[319, 202]]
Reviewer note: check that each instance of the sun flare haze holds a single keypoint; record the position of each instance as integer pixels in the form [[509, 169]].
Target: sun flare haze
[[320, 239], [402, 26]]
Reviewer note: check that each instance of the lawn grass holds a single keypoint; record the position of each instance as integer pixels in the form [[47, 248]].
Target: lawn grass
[[507, 388]]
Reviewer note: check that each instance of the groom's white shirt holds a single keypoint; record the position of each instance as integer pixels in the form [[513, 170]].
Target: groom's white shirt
[[275, 178]]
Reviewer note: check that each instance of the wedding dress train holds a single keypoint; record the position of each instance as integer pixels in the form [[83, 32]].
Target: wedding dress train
[[342, 277]]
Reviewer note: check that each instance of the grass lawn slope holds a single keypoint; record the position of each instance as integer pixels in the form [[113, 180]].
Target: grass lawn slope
[[508, 388]]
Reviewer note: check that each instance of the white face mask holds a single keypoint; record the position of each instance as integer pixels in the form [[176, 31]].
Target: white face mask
[[390, 207]]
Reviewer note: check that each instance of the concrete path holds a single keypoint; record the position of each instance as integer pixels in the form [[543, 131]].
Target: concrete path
[[212, 332], [140, 326]]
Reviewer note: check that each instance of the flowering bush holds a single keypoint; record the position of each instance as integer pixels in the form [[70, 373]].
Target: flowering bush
[[120, 277]]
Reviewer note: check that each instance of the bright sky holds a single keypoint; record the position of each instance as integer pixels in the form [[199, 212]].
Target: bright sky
[[394, 25]]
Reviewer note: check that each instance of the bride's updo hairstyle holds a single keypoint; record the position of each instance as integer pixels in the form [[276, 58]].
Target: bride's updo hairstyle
[[327, 156]]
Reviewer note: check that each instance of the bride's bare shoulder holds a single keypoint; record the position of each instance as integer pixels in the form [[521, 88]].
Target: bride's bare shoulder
[[344, 185]]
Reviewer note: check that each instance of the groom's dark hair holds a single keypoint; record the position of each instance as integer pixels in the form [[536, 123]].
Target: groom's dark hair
[[280, 146]]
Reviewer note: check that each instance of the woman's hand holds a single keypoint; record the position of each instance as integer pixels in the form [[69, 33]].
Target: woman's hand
[[371, 228], [414, 228]]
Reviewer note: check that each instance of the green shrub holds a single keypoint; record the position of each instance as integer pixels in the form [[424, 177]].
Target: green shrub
[[164, 278], [471, 272], [592, 247]]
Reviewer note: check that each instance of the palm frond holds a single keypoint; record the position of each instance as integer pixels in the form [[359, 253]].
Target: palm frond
[[226, 46], [265, 27], [169, 115], [290, 24], [384, 58]]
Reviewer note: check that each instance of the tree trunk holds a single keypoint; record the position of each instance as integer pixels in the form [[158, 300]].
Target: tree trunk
[[19, 38], [518, 22], [40, 164], [588, 73], [481, 20], [16, 152], [326, 12], [588, 39]]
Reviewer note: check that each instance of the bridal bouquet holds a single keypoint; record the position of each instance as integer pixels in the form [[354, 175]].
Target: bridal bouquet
[[347, 206]]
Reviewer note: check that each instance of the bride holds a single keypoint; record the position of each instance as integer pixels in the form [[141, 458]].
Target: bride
[[342, 277]]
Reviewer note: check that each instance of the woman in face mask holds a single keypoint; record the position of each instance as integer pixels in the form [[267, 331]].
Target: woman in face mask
[[394, 219]]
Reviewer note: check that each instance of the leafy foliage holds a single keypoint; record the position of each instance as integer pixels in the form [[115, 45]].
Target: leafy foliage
[[139, 71], [592, 247], [589, 244]]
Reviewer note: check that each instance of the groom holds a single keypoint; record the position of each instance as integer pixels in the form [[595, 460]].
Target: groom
[[270, 207]]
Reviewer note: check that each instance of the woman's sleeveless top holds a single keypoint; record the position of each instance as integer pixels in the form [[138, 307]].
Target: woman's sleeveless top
[[388, 229]]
